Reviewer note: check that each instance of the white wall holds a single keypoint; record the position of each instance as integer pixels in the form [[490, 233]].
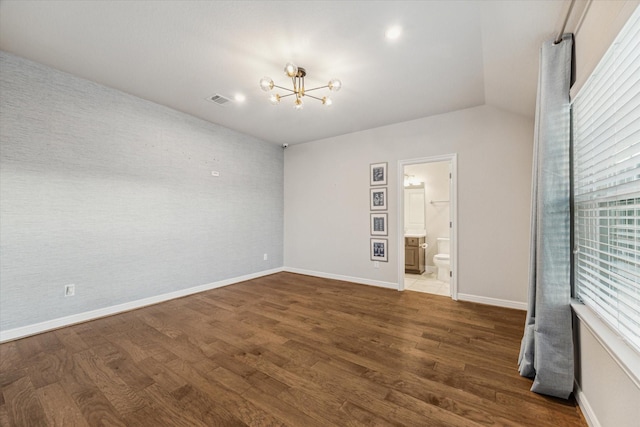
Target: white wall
[[114, 194], [327, 206], [607, 394]]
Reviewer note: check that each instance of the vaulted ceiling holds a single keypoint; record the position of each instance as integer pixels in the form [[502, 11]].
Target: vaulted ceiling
[[451, 55]]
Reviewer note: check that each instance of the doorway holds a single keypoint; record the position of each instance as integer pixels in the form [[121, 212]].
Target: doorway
[[427, 255]]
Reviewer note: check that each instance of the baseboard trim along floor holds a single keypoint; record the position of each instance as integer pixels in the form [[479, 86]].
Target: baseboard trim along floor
[[37, 328]]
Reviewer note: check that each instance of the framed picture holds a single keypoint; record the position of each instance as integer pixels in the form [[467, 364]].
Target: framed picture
[[378, 224], [379, 250], [378, 173], [378, 199]]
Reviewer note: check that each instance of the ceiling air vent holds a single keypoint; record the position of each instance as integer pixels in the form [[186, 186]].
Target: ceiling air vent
[[219, 99]]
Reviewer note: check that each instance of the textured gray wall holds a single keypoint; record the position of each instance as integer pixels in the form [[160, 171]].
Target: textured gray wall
[[114, 194]]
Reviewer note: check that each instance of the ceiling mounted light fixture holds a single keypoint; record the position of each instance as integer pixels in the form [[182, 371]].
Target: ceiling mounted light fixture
[[393, 32], [297, 75]]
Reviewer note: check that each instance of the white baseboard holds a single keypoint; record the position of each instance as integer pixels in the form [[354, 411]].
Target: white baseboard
[[493, 301], [37, 328], [583, 403], [378, 283], [390, 285]]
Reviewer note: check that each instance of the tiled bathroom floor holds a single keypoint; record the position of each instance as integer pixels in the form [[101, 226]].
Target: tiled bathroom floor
[[426, 282]]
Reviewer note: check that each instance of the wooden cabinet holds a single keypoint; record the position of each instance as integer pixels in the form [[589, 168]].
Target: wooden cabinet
[[414, 255]]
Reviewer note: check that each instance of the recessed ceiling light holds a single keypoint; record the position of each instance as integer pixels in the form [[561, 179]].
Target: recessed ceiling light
[[240, 97], [393, 33]]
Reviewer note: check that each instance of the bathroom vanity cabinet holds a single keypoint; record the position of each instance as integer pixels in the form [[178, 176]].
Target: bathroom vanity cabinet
[[414, 255]]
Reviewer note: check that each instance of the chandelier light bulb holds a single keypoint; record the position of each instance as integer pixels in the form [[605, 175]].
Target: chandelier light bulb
[[290, 69], [327, 101], [298, 105], [335, 85], [274, 99], [266, 84]]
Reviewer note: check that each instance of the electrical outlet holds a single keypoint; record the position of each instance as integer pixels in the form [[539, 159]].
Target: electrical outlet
[[376, 264], [69, 290], [266, 257]]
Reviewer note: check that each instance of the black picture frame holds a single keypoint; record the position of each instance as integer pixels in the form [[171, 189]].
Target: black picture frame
[[378, 199], [379, 224], [379, 250], [378, 173]]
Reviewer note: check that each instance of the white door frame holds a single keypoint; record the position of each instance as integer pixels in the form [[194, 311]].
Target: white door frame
[[453, 213]]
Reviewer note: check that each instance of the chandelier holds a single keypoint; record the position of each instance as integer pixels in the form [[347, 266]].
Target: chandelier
[[297, 75]]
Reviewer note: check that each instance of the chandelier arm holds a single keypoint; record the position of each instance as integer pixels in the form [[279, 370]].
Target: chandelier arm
[[316, 88], [285, 88], [314, 97], [289, 94]]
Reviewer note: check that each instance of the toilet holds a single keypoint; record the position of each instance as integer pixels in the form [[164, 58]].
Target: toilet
[[441, 259]]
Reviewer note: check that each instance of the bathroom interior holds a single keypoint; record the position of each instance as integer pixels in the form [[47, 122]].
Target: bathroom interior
[[426, 228]]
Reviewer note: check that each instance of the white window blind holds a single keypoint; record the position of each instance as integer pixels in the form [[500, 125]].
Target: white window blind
[[606, 168]]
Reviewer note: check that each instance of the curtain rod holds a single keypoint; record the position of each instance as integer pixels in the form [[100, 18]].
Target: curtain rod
[[566, 19]]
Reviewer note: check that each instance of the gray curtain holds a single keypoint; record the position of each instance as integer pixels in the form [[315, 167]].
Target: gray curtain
[[546, 353]]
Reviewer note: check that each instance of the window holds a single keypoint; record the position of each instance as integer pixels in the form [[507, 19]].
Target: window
[[606, 176]]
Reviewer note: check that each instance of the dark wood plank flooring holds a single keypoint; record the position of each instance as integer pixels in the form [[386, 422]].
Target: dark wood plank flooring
[[283, 349]]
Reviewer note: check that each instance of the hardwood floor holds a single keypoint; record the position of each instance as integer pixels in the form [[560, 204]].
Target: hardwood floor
[[283, 349]]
